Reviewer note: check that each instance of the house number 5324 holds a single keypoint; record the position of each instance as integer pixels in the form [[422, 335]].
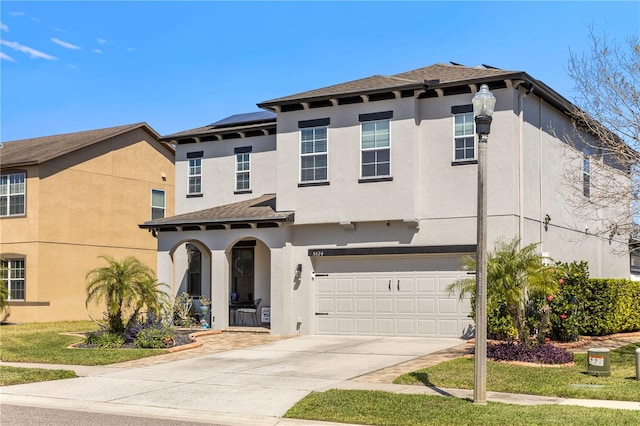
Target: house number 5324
[[317, 253]]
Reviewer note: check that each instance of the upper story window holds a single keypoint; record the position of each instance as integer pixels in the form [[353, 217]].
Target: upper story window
[[195, 176], [157, 204], [12, 194], [376, 149], [243, 172], [313, 155], [464, 138], [12, 273], [586, 176]]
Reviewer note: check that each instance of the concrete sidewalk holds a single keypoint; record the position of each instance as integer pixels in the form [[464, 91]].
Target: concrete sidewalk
[[253, 379]]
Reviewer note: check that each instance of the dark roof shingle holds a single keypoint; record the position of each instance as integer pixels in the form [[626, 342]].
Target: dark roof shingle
[[257, 209], [38, 150], [442, 72]]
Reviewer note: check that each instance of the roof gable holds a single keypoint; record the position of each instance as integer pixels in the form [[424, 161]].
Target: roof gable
[[39, 150]]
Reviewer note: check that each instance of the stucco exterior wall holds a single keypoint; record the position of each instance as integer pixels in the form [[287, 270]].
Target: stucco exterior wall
[[82, 205], [218, 172]]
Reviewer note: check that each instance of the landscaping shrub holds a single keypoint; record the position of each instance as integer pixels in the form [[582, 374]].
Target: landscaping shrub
[[105, 339], [543, 354], [154, 336], [593, 306]]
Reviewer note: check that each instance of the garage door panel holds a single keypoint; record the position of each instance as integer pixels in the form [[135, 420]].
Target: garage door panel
[[448, 306], [405, 306], [384, 326], [426, 285], [325, 285], [364, 326], [427, 306], [384, 305], [427, 327], [364, 285], [364, 306], [344, 305], [325, 305], [344, 285], [345, 325], [391, 297], [449, 327]]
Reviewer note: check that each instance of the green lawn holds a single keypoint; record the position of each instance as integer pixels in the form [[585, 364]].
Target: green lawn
[[382, 408], [17, 376], [43, 343], [568, 382]]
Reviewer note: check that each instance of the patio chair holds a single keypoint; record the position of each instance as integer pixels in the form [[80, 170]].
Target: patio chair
[[252, 312]]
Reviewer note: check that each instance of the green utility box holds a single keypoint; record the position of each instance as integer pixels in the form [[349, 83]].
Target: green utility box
[[599, 362]]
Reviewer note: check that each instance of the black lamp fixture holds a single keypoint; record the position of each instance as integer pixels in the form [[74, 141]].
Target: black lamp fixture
[[547, 219]]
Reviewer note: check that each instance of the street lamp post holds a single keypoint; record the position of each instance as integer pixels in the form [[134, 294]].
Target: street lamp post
[[483, 105]]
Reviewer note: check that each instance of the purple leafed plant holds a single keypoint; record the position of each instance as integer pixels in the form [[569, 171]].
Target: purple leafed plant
[[542, 354]]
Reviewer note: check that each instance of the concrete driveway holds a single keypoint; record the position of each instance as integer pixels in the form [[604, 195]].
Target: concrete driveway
[[242, 385]]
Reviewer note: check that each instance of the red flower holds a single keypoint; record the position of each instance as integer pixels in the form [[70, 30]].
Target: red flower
[[549, 298], [561, 281], [563, 316]]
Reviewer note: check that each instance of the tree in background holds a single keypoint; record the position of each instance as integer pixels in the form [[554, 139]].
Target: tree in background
[[513, 276], [607, 83], [127, 286]]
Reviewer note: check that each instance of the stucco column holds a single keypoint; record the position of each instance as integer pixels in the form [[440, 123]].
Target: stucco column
[[219, 285]]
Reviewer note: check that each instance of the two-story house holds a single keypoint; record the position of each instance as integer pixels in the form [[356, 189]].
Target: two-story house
[[69, 198], [347, 209]]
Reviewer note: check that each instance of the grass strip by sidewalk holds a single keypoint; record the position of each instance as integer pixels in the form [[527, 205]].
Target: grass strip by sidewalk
[[389, 409], [43, 343], [17, 375], [566, 382]]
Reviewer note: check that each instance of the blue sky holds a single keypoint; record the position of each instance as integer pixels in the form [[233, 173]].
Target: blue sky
[[73, 66]]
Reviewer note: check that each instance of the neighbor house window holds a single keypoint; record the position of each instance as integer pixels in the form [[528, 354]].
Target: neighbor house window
[[157, 204], [195, 176], [376, 151], [313, 154], [12, 274], [464, 139], [586, 176], [12, 194], [243, 171]]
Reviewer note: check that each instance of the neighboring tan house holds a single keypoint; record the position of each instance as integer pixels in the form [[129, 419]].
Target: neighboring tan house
[[67, 199], [348, 209]]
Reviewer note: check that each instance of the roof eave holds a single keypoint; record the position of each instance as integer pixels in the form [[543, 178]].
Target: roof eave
[[288, 217], [275, 102]]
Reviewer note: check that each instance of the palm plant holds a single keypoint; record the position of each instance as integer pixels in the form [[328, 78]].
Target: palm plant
[[513, 276], [4, 294], [127, 286]]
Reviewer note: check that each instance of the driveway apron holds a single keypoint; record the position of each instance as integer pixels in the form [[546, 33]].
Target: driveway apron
[[263, 380]]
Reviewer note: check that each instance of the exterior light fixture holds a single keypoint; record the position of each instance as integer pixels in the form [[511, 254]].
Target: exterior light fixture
[[483, 106]]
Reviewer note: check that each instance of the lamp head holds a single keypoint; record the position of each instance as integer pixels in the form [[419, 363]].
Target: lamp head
[[483, 102]]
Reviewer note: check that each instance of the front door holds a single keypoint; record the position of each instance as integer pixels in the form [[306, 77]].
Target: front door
[[242, 273]]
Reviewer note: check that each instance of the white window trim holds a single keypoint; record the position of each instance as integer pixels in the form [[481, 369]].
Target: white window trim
[[238, 172], [376, 149], [586, 188], [475, 140], [300, 155], [189, 176], [10, 280], [8, 195], [164, 205]]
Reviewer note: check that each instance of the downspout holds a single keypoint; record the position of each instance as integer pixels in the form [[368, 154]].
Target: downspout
[[521, 97], [541, 214]]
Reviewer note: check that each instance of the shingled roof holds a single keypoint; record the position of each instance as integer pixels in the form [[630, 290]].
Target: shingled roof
[[34, 151], [437, 74], [261, 209]]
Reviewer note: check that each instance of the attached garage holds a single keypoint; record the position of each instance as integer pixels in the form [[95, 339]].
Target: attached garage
[[389, 296]]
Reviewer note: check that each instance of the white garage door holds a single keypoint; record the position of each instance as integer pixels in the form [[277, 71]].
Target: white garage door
[[390, 296]]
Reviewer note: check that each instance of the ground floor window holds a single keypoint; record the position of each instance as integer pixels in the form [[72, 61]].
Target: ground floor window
[[12, 273]]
